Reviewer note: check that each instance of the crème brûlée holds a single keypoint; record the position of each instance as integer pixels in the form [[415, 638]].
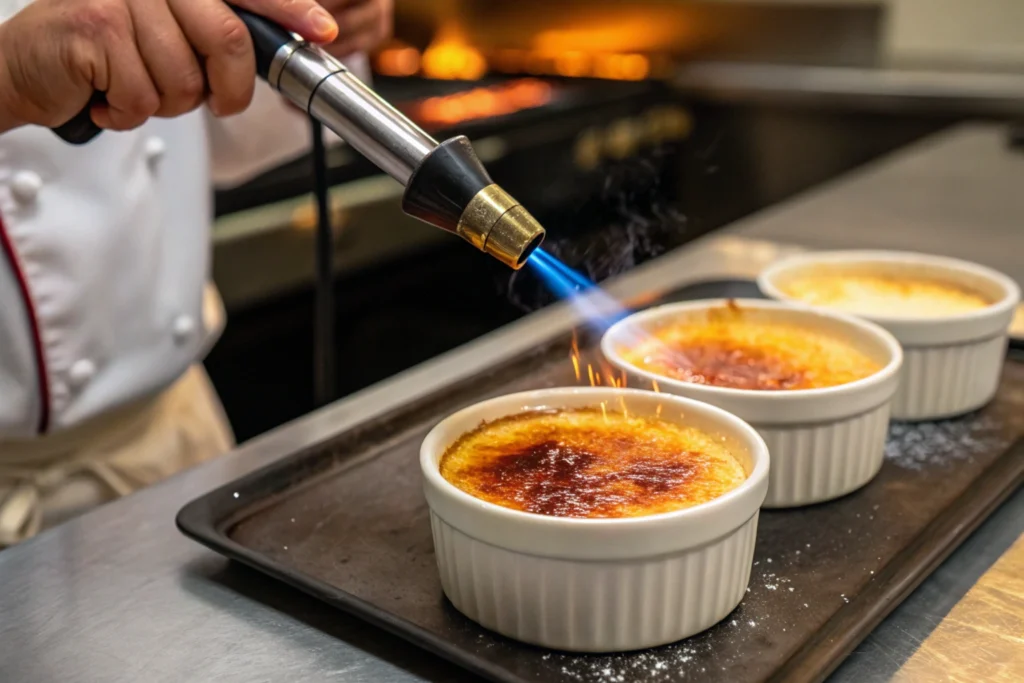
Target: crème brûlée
[[590, 462], [737, 351], [884, 295]]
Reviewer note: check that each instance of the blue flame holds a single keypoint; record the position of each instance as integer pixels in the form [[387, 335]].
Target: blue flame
[[562, 280], [597, 307]]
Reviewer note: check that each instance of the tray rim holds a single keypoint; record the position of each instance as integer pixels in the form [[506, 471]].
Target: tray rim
[[190, 522]]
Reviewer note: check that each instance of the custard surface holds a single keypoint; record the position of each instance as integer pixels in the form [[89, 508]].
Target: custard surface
[[738, 351], [589, 462], [873, 294]]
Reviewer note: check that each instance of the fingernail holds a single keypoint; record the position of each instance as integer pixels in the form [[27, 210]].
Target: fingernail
[[324, 24]]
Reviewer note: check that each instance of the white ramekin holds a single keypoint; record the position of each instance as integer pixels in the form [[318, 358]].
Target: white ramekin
[[824, 443], [952, 363], [595, 585]]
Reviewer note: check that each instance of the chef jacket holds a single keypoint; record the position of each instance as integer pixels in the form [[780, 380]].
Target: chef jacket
[[105, 255]]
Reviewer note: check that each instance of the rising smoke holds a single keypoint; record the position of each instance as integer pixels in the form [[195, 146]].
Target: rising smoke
[[631, 219]]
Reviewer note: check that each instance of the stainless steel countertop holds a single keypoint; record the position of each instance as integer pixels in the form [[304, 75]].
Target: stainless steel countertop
[[120, 595]]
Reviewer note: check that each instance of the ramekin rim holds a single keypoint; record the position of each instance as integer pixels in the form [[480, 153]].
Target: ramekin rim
[[1009, 300], [758, 474], [882, 375]]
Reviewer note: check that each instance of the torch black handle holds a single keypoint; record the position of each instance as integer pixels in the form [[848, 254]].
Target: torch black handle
[[267, 37], [81, 129]]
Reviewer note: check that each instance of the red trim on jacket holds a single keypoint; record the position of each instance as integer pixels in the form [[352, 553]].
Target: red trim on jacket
[[33, 319]]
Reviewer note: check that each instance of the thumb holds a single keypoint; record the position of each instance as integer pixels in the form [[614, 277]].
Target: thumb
[[305, 17]]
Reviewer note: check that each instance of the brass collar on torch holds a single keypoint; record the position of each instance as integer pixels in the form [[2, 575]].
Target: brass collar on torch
[[498, 225]]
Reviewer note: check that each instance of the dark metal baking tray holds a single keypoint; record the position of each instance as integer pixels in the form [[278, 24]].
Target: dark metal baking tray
[[346, 522]]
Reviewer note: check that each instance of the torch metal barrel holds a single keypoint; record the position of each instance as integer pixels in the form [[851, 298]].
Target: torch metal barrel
[[322, 86], [446, 185]]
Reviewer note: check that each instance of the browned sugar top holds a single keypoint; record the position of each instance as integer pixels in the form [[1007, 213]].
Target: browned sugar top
[[729, 348], [590, 462]]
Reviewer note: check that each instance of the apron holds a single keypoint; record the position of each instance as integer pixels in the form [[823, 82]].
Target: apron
[[48, 480]]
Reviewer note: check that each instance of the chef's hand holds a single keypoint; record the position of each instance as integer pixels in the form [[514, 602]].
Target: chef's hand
[[362, 24], [150, 57]]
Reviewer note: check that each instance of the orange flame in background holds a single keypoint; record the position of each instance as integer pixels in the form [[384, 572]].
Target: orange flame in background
[[621, 67], [451, 57], [573, 64], [483, 102], [453, 61], [630, 32], [401, 60]]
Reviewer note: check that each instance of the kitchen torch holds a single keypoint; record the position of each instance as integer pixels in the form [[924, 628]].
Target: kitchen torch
[[445, 183]]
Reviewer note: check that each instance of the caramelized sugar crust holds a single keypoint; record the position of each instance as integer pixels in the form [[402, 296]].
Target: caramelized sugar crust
[[590, 463], [874, 294], [732, 349]]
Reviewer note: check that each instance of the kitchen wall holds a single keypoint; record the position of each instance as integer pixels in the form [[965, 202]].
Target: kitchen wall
[[963, 33]]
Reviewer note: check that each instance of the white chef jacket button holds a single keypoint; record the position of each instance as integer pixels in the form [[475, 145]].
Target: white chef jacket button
[[155, 149], [25, 186], [183, 328], [81, 372]]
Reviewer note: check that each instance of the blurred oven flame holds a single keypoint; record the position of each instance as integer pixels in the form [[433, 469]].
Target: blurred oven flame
[[573, 64], [483, 102], [451, 57], [402, 60], [629, 67], [636, 33]]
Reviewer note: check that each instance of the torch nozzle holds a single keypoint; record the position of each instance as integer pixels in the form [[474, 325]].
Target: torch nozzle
[[498, 225], [451, 189]]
